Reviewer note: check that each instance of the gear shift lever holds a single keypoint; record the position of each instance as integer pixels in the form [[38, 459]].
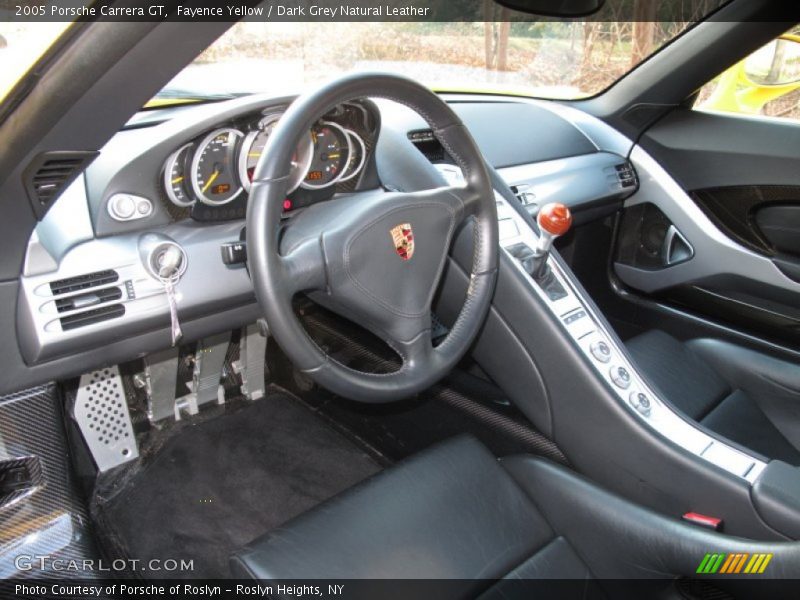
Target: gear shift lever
[[554, 221]]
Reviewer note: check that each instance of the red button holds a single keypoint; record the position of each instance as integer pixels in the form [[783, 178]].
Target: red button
[[703, 520]]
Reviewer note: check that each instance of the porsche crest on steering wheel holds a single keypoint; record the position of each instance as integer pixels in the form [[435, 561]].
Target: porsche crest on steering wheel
[[403, 238]]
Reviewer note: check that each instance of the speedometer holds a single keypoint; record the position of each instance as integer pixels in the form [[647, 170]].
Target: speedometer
[[331, 155], [253, 147], [214, 175]]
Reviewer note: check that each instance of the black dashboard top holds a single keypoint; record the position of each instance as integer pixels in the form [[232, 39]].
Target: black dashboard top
[[511, 134]]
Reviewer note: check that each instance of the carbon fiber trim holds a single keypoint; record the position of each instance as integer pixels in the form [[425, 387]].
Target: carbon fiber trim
[[31, 467], [51, 520], [532, 439]]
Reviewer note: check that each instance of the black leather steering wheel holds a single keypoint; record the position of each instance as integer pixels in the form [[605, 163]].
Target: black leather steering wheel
[[376, 257]]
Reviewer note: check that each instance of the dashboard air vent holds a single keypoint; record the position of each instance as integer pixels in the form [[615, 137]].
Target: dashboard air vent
[[51, 173], [91, 317], [626, 175], [83, 282], [88, 299]]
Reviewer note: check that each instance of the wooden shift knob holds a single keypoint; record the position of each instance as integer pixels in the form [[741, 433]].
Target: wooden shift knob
[[555, 219]]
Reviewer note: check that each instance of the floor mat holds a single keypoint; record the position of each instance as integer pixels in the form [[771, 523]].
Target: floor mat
[[218, 485]]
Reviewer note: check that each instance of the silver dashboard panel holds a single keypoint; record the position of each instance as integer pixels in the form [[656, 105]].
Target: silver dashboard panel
[[206, 287]]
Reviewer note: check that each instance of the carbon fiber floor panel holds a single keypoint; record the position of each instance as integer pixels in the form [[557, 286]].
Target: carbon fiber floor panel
[[52, 519]]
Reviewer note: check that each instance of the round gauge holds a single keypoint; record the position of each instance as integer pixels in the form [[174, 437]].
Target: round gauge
[[331, 153], [254, 144], [358, 155], [175, 179], [214, 176]]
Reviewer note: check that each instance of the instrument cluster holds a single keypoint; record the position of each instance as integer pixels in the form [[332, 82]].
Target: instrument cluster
[[216, 170]]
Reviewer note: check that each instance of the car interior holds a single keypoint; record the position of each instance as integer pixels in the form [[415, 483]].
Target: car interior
[[372, 331]]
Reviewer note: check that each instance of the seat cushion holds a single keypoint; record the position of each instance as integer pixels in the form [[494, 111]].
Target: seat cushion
[[454, 513], [693, 387], [678, 373], [449, 513], [740, 419]]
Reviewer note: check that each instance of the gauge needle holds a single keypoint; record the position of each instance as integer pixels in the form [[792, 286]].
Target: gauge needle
[[177, 180], [210, 180], [337, 155], [254, 154]]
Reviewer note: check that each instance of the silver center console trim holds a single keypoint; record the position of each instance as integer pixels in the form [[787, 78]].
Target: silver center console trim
[[584, 327]]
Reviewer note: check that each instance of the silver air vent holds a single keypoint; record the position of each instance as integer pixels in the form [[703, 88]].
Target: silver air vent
[[83, 282], [90, 294]]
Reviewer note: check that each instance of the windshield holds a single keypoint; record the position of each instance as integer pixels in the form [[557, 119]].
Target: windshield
[[21, 45], [550, 59]]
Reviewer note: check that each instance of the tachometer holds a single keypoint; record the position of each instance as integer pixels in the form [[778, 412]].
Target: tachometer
[[331, 153], [253, 147], [358, 155], [214, 175], [175, 179]]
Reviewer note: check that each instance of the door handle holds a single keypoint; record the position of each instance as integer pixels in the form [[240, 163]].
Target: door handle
[[676, 248]]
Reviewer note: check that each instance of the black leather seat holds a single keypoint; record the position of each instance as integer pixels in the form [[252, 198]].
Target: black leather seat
[[684, 378], [456, 513]]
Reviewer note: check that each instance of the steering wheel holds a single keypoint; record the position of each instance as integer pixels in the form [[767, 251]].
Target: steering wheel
[[377, 256]]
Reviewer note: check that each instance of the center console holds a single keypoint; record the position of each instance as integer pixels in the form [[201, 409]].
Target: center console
[[556, 289]]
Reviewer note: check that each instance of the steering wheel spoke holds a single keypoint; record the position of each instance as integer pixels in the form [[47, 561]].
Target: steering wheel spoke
[[417, 352], [304, 267], [467, 198]]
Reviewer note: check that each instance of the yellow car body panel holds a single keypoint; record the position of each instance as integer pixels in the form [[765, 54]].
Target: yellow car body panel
[[736, 92]]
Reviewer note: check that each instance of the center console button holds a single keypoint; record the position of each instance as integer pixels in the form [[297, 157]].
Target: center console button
[[621, 377], [600, 351], [641, 402]]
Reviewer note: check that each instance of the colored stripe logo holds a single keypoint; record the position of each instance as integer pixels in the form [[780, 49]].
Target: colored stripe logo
[[732, 564]]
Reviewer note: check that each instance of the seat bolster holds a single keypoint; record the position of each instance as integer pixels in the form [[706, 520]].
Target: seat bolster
[[449, 513], [617, 539]]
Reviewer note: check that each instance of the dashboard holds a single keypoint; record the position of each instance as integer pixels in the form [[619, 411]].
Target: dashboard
[[181, 177], [216, 169]]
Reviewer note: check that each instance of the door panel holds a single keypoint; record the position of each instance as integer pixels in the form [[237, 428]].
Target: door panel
[[748, 213], [728, 189]]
